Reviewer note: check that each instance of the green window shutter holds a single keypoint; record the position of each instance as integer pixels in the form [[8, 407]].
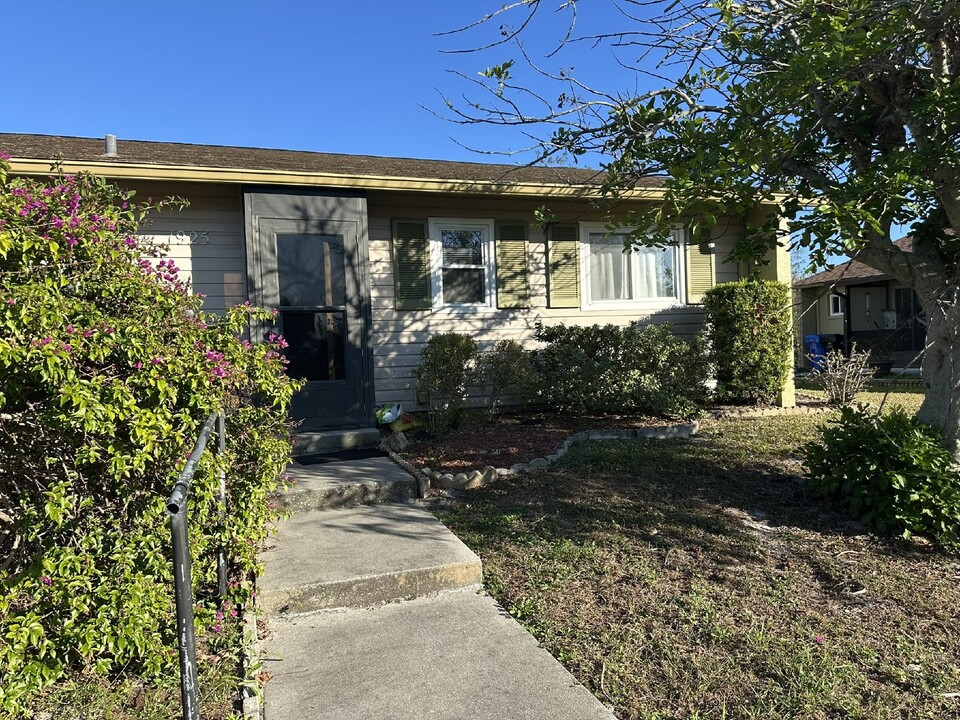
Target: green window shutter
[[411, 265], [563, 267], [701, 271], [513, 285]]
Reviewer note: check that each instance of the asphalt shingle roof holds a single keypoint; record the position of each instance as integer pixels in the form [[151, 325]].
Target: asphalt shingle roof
[[852, 272], [52, 147]]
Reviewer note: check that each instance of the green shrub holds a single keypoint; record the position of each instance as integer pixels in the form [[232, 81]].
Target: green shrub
[[108, 368], [611, 369], [506, 371], [749, 325], [448, 365], [891, 471]]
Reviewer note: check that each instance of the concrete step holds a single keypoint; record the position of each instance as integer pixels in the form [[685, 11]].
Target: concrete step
[[328, 441], [362, 556], [449, 657], [342, 484]]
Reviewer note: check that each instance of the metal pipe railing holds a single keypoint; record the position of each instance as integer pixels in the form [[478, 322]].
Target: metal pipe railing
[[177, 505], [222, 551]]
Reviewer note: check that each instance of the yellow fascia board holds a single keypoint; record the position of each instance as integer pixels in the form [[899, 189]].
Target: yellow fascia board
[[184, 173]]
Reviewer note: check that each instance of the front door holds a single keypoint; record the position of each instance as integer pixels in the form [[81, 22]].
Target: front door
[[310, 270]]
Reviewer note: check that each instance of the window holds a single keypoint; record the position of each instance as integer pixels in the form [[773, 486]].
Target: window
[[836, 306], [461, 261], [642, 277]]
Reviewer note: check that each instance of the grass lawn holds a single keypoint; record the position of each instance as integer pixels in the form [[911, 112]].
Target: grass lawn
[[703, 579]]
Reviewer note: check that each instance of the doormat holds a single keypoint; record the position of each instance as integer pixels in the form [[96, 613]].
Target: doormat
[[340, 456]]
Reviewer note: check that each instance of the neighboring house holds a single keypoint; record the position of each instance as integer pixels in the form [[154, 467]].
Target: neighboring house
[[853, 303], [368, 257]]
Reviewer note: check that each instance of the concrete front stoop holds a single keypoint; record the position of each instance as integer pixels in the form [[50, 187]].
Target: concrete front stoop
[[323, 486], [330, 441], [376, 612]]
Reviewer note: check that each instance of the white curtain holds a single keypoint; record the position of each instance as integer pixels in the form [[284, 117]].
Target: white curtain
[[610, 276], [639, 274]]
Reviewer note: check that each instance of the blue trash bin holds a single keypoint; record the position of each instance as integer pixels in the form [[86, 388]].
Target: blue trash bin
[[817, 350]]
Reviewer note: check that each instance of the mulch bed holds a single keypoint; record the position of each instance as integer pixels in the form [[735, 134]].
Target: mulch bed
[[510, 438]]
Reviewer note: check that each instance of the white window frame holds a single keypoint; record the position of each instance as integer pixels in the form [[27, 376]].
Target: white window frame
[[651, 304], [830, 310], [435, 227]]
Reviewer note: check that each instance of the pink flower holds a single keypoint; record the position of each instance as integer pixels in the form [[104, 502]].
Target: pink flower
[[156, 361], [46, 581], [819, 639], [69, 329], [218, 628], [137, 365]]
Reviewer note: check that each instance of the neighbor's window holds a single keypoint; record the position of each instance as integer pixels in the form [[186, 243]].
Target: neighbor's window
[[836, 306], [462, 260], [641, 276]]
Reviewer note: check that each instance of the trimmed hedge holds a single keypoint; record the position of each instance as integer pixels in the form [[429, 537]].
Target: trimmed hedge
[[611, 369], [448, 365], [749, 325]]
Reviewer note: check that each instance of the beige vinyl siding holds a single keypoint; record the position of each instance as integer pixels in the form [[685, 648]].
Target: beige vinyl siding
[[828, 324], [398, 336], [205, 241], [725, 235]]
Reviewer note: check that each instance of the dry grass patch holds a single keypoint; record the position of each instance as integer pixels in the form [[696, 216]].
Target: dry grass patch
[[704, 580]]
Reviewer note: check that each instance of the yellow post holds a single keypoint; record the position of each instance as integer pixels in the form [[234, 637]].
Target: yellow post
[[778, 268]]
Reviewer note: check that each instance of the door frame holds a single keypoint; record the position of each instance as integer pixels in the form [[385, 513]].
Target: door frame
[[310, 208]]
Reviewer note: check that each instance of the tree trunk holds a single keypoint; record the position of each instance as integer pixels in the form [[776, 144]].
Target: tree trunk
[[941, 373]]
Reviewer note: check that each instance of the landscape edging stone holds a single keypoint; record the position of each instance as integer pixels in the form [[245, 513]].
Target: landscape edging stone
[[478, 478]]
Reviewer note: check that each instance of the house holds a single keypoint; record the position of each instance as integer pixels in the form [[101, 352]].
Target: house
[[368, 257], [853, 303]]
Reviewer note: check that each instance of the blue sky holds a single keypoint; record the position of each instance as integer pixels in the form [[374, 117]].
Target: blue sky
[[328, 76], [358, 76]]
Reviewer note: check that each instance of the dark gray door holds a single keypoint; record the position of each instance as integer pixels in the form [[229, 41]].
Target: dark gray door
[[310, 274]]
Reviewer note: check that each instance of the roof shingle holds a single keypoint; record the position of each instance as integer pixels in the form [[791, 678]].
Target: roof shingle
[[852, 272], [52, 147]]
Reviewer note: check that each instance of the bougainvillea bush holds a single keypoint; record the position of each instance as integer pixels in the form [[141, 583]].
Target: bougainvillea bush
[[108, 368]]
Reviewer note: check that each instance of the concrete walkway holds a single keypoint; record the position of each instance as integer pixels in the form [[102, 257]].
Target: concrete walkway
[[376, 612]]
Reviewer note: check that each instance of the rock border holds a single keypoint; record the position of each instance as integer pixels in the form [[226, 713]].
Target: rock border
[[753, 412], [490, 474]]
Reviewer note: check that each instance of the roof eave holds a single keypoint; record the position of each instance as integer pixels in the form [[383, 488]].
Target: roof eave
[[843, 282], [188, 173]]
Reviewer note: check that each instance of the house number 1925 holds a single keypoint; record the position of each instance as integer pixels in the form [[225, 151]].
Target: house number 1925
[[190, 237]]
